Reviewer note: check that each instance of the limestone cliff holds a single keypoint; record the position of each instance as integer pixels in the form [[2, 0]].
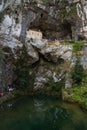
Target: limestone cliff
[[60, 19], [48, 57]]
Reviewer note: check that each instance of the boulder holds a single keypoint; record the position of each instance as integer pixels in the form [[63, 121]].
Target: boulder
[[53, 51]]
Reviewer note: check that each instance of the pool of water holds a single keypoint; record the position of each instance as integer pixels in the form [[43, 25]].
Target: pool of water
[[41, 113]]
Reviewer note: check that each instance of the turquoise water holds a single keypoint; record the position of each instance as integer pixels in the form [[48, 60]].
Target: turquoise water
[[41, 114]]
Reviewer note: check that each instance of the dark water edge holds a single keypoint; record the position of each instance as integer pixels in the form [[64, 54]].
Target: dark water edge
[[41, 113]]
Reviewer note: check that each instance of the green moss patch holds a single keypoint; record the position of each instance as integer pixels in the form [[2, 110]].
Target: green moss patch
[[76, 94]]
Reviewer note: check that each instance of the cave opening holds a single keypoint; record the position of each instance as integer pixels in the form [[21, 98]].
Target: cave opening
[[41, 15], [67, 28]]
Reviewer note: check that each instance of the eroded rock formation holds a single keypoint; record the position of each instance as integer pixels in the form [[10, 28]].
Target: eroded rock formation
[[47, 18]]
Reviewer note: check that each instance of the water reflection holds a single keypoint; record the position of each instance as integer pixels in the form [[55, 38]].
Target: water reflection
[[9, 105], [41, 114], [4, 106]]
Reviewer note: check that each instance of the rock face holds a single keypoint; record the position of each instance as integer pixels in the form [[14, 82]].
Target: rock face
[[82, 13], [52, 13], [47, 74], [53, 51], [38, 50], [53, 57]]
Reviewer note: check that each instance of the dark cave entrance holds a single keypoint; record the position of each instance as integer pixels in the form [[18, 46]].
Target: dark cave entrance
[[67, 28]]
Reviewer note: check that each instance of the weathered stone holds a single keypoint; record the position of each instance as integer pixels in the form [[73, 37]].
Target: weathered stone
[[41, 17], [42, 77], [33, 54], [68, 82], [53, 51]]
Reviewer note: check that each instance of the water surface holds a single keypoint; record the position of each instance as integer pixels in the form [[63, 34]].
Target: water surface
[[41, 113]]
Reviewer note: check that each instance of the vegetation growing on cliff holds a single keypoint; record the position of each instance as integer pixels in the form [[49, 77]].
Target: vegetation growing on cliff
[[77, 46], [67, 12], [66, 15], [2, 70], [55, 86], [77, 73], [23, 79], [78, 92]]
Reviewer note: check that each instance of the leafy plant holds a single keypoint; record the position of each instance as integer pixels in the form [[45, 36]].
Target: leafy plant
[[77, 46], [22, 69], [77, 94], [78, 72], [56, 86]]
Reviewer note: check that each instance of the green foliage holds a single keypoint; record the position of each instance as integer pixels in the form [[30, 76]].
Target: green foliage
[[77, 46], [22, 69], [51, 84], [47, 2], [55, 86], [84, 81], [77, 73], [66, 12], [76, 94]]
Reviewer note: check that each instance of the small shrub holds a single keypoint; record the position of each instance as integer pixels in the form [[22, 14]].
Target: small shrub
[[22, 70], [77, 46], [56, 86], [77, 73]]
